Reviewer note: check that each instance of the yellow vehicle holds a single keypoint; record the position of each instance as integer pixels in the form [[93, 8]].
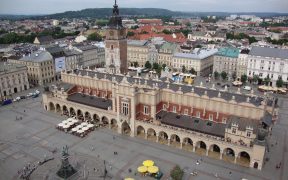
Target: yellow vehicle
[[189, 78]]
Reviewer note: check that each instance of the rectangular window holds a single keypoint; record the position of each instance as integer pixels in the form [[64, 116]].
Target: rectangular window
[[125, 108], [234, 131], [186, 112], [174, 109], [146, 110], [198, 114], [248, 134], [211, 117]]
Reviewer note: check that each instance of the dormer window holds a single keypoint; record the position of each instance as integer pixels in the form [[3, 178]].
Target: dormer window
[[164, 107], [174, 109], [210, 117], [234, 130], [248, 133], [198, 114]]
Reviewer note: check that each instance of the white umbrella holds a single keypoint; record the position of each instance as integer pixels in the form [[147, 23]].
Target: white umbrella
[[90, 125], [85, 128], [60, 124], [75, 129], [80, 131], [66, 126], [84, 124]]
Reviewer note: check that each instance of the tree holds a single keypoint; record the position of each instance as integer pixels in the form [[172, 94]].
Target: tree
[[130, 33], [244, 78], [155, 65], [216, 75], [183, 69], [223, 75], [148, 65], [164, 66], [192, 71], [166, 31], [255, 78], [234, 76], [177, 173], [267, 80], [136, 64], [94, 37], [279, 82]]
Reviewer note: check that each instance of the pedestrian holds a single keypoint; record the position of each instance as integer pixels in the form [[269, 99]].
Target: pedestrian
[[24, 110], [230, 172]]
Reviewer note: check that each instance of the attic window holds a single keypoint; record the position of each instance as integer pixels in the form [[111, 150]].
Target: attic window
[[209, 123]]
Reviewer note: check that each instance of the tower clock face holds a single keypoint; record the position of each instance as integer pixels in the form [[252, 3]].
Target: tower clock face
[[111, 33]]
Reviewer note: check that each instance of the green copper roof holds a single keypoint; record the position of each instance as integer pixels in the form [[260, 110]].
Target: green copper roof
[[228, 52]]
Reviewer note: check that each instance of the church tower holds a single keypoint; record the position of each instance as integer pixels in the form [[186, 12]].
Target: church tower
[[116, 44]]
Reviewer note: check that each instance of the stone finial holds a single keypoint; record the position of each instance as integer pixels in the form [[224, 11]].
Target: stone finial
[[95, 76], [248, 99], [252, 91], [167, 80], [192, 90], [114, 79], [238, 91], [233, 97], [201, 84], [145, 82], [88, 67], [105, 76], [219, 95], [168, 86], [205, 93], [79, 73], [180, 88], [213, 86], [87, 73]]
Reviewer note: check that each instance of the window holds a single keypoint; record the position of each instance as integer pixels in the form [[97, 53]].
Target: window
[[164, 107], [174, 109], [248, 134], [224, 119], [198, 114], [146, 110], [234, 131], [186, 112], [211, 117], [125, 108]]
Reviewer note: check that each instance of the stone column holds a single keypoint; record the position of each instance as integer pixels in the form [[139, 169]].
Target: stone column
[[207, 152], [235, 159], [168, 141], [221, 154], [157, 138], [194, 148], [146, 135], [181, 145]]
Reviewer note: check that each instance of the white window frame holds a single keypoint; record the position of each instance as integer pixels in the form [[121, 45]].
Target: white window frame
[[146, 110]]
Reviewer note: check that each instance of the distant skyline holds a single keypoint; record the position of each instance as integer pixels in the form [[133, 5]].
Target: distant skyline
[[32, 7]]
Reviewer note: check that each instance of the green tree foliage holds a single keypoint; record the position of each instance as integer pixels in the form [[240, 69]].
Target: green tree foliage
[[192, 71], [130, 33], [136, 64], [279, 82], [166, 31], [177, 173], [240, 36], [148, 65], [278, 42], [183, 69], [234, 76], [267, 80], [244, 78], [255, 78], [155, 65], [164, 66], [135, 27], [216, 75], [223, 75], [94, 37], [102, 22]]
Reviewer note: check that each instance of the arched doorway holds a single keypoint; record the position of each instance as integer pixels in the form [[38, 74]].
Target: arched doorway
[[200, 148], [96, 119], [140, 132], [51, 107], [114, 124], [187, 144], [244, 159], [58, 108], [229, 155], [105, 121], [175, 141], [88, 117], [151, 134], [65, 111], [125, 129], [4, 93], [163, 137], [255, 165], [214, 151], [15, 90], [80, 115], [25, 87], [72, 112]]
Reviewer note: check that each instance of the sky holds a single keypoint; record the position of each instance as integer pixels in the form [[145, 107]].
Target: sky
[[28, 7]]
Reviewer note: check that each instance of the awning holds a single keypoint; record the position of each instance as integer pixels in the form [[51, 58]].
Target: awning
[[148, 163], [142, 169], [153, 169]]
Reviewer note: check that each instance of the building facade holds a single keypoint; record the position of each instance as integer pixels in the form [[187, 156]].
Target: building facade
[[166, 52], [40, 64], [200, 60], [226, 60], [13, 79], [92, 56], [268, 63], [137, 51]]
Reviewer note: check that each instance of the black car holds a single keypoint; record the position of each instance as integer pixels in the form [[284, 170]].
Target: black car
[[22, 97], [219, 84]]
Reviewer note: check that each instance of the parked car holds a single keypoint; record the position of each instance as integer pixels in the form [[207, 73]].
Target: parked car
[[29, 95], [228, 85], [6, 102], [247, 88], [23, 97], [219, 84]]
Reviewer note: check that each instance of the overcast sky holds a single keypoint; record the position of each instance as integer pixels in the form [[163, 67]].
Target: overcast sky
[[53, 6]]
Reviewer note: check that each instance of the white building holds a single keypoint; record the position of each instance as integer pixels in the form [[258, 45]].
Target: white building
[[201, 60], [268, 62]]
